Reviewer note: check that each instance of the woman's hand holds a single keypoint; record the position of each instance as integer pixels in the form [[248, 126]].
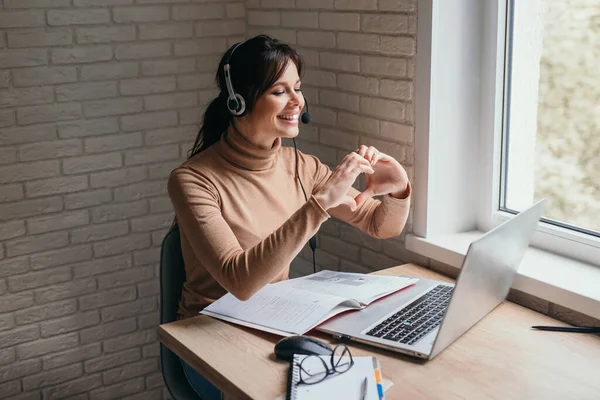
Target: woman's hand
[[333, 192], [389, 177]]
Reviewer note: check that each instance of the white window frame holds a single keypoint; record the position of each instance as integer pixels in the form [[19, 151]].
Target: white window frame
[[550, 237], [458, 139]]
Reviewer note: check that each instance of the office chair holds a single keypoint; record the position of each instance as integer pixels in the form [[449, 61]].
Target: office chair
[[172, 276]]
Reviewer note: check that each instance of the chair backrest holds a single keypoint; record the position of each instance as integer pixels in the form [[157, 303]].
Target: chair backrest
[[172, 277]]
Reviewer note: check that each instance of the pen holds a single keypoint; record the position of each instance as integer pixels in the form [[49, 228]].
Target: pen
[[577, 329], [364, 389]]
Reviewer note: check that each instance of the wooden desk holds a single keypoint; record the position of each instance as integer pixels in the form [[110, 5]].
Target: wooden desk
[[499, 358]]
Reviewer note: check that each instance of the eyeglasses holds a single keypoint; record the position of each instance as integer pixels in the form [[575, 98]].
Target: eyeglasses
[[313, 369]]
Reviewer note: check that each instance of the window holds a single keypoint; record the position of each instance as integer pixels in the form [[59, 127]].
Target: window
[[551, 130], [506, 111], [545, 108], [485, 94]]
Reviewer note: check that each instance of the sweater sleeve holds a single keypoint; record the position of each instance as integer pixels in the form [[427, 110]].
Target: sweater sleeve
[[382, 219], [241, 272]]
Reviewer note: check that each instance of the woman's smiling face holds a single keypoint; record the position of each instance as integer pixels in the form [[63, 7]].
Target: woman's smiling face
[[277, 111]]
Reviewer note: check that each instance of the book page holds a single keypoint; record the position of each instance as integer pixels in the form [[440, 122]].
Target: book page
[[290, 310], [363, 288]]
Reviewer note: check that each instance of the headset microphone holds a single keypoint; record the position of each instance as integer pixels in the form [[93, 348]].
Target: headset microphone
[[306, 114]]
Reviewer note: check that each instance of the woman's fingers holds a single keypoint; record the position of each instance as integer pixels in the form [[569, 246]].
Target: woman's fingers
[[362, 168], [334, 191], [369, 153], [362, 150], [363, 196], [352, 160], [351, 171], [360, 164], [379, 156]]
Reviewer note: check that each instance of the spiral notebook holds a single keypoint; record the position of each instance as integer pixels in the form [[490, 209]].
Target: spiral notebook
[[348, 385]]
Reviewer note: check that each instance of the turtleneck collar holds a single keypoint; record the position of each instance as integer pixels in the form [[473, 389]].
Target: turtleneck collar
[[236, 149]]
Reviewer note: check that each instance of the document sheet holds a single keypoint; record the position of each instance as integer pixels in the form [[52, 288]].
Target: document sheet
[[360, 287], [297, 305], [293, 310]]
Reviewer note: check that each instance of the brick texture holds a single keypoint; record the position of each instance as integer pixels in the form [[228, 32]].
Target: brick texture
[[99, 101]]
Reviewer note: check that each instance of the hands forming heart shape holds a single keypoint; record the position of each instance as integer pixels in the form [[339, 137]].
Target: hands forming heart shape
[[389, 175], [384, 175]]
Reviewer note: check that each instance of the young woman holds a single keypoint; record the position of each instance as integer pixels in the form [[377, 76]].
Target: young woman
[[245, 205]]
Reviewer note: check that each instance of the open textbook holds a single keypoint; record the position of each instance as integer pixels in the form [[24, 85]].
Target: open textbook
[[295, 306]]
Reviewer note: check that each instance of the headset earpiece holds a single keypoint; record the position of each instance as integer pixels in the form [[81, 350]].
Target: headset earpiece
[[235, 102], [236, 105]]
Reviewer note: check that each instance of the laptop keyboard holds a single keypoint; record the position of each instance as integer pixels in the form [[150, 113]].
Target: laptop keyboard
[[417, 319]]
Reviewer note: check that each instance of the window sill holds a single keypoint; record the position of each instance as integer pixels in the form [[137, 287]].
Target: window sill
[[559, 280]]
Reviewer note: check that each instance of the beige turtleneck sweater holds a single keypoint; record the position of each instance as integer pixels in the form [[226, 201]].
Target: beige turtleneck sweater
[[243, 217]]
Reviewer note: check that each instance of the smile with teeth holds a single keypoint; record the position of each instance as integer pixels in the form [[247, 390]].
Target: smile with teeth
[[289, 117]]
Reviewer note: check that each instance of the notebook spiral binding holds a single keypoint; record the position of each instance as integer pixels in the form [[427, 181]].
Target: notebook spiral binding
[[293, 378]]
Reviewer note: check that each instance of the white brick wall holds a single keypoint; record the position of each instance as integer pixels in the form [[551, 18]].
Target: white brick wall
[[99, 101], [360, 56]]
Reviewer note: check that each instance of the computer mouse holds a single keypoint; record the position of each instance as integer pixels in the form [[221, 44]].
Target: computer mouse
[[300, 344]]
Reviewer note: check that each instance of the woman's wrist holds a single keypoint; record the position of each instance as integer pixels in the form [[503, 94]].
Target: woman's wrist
[[402, 194], [322, 200]]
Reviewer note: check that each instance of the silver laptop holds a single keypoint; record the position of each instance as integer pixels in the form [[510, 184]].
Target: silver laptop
[[424, 319]]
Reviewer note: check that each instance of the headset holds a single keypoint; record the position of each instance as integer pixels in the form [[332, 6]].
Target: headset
[[237, 107]]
